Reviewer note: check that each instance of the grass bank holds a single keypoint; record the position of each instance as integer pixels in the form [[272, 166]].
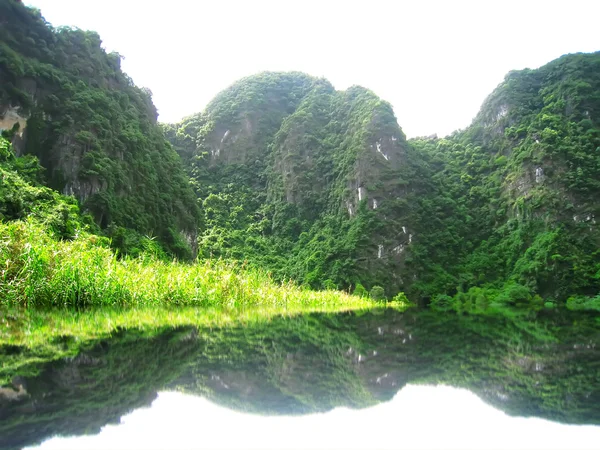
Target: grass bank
[[37, 270]]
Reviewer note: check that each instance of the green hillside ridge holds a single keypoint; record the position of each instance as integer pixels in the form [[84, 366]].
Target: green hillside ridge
[[66, 101], [501, 213], [516, 195], [312, 184], [294, 179]]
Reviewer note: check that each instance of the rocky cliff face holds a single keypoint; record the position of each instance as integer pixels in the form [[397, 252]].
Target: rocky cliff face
[[63, 99], [338, 142], [546, 121]]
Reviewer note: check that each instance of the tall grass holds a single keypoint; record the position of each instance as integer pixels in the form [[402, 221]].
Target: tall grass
[[39, 271]]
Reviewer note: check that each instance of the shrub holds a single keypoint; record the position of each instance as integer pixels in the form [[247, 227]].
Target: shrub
[[377, 293], [582, 303], [402, 299], [442, 302], [514, 294], [360, 291]]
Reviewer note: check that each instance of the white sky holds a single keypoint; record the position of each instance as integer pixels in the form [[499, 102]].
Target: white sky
[[419, 417], [435, 62]]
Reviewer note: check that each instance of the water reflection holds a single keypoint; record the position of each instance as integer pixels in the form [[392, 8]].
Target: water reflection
[[419, 417], [280, 373]]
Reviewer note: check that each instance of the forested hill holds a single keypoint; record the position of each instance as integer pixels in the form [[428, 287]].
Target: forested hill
[[511, 216], [315, 185], [309, 182], [66, 101], [321, 186]]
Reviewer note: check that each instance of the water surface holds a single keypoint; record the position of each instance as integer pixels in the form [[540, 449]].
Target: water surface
[[350, 380]]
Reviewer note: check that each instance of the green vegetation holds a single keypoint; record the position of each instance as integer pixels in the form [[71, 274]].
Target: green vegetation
[[300, 179], [293, 180], [510, 215], [22, 196], [94, 131], [39, 271], [582, 303]]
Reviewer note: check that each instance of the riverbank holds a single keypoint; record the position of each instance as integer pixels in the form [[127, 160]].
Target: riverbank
[[37, 270]]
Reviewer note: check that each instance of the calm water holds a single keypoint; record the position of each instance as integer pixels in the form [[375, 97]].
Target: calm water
[[354, 380]]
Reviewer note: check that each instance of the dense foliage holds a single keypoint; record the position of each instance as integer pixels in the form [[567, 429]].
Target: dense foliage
[[510, 217], [314, 185], [301, 179], [93, 130], [22, 195]]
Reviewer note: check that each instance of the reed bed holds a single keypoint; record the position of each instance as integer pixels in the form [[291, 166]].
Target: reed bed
[[39, 271]]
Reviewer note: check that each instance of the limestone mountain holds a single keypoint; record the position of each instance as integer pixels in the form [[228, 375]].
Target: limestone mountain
[[66, 101], [300, 178], [316, 185], [512, 208], [321, 186]]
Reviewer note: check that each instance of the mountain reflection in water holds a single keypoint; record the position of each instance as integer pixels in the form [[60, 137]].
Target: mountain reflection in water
[[320, 381], [419, 417]]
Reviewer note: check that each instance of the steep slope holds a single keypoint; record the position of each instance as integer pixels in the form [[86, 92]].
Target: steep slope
[[514, 197], [305, 180], [63, 99]]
